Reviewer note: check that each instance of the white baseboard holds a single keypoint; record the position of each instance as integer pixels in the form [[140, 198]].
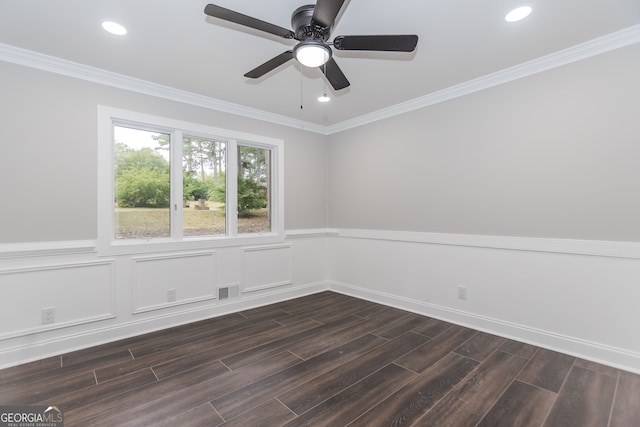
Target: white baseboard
[[595, 352], [30, 348]]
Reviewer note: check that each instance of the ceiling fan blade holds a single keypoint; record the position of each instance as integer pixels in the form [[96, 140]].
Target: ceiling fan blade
[[325, 12], [391, 43], [334, 74], [247, 21], [271, 64]]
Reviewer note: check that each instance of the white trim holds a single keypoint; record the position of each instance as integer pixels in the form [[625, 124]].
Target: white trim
[[41, 348], [76, 70], [75, 322], [288, 281], [535, 244], [137, 260], [32, 249], [108, 245], [595, 352], [309, 233], [616, 249], [597, 46]]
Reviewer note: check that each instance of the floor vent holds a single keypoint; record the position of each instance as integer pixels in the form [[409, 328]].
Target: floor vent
[[227, 292]]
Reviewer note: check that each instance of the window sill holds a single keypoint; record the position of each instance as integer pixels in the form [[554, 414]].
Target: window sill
[[131, 247]]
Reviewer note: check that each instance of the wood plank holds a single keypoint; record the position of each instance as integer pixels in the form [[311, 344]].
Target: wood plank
[[47, 389], [200, 416], [381, 312], [96, 412], [519, 349], [159, 406], [436, 348], [626, 407], [49, 378], [308, 335], [347, 405], [269, 414], [339, 310], [95, 393], [233, 404], [584, 400], [316, 303], [480, 346], [25, 371], [521, 405], [597, 367], [198, 354], [400, 326], [171, 341], [547, 369], [265, 312], [411, 401], [432, 328], [308, 349], [304, 397], [104, 353], [217, 348], [348, 373], [470, 400]]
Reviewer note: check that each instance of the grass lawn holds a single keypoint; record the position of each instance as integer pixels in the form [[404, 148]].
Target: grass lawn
[[145, 223]]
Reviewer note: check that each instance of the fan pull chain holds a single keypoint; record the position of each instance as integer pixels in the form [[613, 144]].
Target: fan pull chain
[[301, 86]]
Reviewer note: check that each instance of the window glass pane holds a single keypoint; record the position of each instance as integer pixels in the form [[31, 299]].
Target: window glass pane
[[142, 183], [204, 186], [254, 189]]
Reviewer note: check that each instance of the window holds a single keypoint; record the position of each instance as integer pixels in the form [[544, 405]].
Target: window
[[167, 182]]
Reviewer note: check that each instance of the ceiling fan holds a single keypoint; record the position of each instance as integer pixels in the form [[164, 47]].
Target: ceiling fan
[[312, 25]]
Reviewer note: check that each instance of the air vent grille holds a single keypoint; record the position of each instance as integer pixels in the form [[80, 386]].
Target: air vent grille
[[227, 292]]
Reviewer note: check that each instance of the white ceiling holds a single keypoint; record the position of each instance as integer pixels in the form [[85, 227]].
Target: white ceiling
[[173, 43]]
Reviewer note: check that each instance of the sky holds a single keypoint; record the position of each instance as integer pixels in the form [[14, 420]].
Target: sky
[[137, 139]]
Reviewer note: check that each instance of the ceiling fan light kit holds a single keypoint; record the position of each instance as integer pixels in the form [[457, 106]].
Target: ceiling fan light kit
[[312, 53], [312, 25]]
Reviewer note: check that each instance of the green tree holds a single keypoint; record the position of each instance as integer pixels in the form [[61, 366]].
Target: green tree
[[142, 178], [144, 187], [127, 158], [251, 196], [194, 189]]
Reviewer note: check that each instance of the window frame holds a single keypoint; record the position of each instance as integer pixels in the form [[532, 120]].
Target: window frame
[[107, 244]]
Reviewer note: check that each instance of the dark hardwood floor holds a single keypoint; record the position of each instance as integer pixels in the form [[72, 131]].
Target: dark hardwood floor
[[325, 360]]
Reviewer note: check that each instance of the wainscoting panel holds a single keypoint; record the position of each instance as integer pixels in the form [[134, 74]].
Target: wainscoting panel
[[166, 280], [266, 267], [78, 293], [562, 297]]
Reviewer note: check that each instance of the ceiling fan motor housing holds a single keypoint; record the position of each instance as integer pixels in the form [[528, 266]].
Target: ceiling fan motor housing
[[301, 23]]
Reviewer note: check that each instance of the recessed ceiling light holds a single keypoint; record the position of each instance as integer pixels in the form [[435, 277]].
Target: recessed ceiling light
[[518, 13], [114, 28]]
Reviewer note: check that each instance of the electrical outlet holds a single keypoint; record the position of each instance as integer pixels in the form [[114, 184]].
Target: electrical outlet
[[48, 315], [462, 292], [171, 295]]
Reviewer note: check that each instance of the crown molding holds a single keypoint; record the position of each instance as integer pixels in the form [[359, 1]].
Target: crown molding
[[597, 46], [67, 68]]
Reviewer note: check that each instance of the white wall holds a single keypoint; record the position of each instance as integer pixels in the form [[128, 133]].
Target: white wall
[[49, 155], [550, 163], [48, 226], [552, 155]]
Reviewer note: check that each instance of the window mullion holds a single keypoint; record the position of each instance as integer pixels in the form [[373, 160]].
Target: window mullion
[[176, 185], [232, 188]]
